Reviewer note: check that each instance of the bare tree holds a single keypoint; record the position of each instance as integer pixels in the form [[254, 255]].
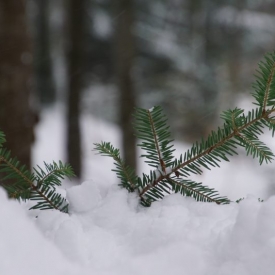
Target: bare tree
[[75, 71], [124, 59], [16, 118], [43, 61]]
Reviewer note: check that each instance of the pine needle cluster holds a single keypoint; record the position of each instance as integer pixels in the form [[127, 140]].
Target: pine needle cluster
[[39, 185], [172, 175]]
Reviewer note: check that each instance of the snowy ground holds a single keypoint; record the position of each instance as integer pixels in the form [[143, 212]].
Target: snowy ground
[[107, 232]]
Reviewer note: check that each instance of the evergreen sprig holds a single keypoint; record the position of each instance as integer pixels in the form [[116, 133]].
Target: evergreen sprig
[[2, 138], [171, 175], [125, 173], [39, 186], [152, 130]]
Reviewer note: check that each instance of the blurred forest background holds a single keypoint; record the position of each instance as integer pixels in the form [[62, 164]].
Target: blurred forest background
[[103, 57]]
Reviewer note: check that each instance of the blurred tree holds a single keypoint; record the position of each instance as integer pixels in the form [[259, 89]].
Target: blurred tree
[[16, 118], [208, 111], [124, 69], [234, 37], [43, 62], [190, 56], [99, 62], [75, 73]]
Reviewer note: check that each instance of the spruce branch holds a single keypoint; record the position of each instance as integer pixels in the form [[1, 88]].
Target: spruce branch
[[223, 142], [44, 189], [265, 82], [197, 191], [54, 173], [21, 184], [239, 130], [48, 198], [18, 178], [124, 172], [256, 148], [152, 130], [2, 138]]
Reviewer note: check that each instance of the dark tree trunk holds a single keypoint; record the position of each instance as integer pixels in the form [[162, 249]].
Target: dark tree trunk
[[16, 118], [75, 70], [234, 44], [43, 64], [124, 58]]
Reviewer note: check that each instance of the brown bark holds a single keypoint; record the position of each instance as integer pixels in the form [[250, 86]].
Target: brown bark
[[76, 31], [16, 117], [43, 65], [124, 59]]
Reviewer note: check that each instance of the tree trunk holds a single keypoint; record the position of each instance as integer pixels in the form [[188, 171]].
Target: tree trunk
[[75, 70], [124, 58], [202, 113], [43, 64], [16, 118]]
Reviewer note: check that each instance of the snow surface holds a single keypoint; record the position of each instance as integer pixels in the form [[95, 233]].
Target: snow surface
[[107, 232]]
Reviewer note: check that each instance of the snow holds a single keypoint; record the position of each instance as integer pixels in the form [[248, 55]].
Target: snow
[[23, 248], [83, 198], [107, 232]]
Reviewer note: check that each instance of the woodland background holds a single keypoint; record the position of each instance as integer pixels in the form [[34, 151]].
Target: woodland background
[[195, 58]]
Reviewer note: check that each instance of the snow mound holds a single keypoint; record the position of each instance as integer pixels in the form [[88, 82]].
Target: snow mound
[[108, 232], [83, 198], [23, 249]]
